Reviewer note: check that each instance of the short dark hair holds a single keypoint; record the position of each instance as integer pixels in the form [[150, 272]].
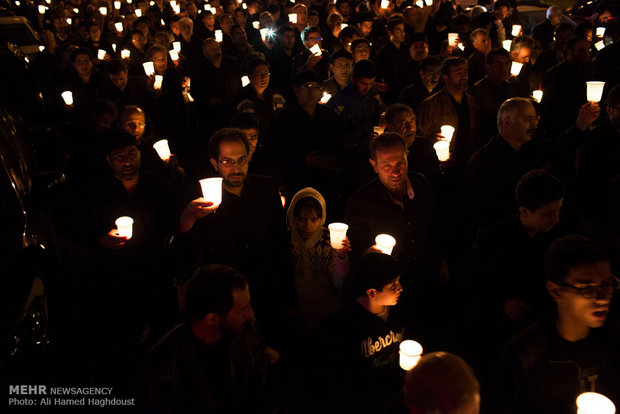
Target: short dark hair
[[210, 290], [103, 107], [226, 135], [359, 41], [365, 17], [340, 53], [395, 109], [154, 49], [309, 30], [364, 69], [80, 51], [385, 141], [538, 188], [613, 97], [116, 66], [347, 34], [429, 62], [374, 271], [564, 27], [253, 61], [493, 53], [571, 251], [419, 37], [245, 120], [283, 29], [308, 203], [573, 42], [451, 62], [394, 21]]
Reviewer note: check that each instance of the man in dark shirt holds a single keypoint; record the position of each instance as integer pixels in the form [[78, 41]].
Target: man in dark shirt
[[476, 61], [392, 56], [124, 90], [280, 58], [429, 74]]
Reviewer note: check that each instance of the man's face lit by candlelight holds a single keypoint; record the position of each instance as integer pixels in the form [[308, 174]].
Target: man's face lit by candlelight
[[83, 65], [391, 168], [134, 124], [232, 163], [125, 162]]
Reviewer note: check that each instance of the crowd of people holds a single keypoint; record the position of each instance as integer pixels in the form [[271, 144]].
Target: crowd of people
[[314, 113]]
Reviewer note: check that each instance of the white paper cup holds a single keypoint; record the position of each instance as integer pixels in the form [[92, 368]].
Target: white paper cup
[[219, 36], [158, 81], [103, 10], [452, 39], [212, 190], [419, 3], [447, 131], [515, 68], [410, 354], [41, 9], [385, 4], [176, 46], [537, 94], [600, 31], [245, 81], [124, 226], [263, 33], [162, 148], [325, 98], [256, 25], [599, 45], [174, 55], [442, 148], [292, 17], [595, 90], [385, 243], [594, 403], [149, 68], [316, 50], [118, 26], [138, 12], [67, 96], [506, 44], [337, 233], [516, 28], [101, 54], [125, 54], [117, 5]]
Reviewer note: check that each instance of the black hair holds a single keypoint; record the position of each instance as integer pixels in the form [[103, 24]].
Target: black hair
[[210, 290], [564, 27], [571, 251], [80, 51], [308, 203], [103, 107], [573, 42], [359, 41], [283, 29], [364, 69], [347, 34], [307, 31], [450, 63], [116, 66], [429, 62], [245, 120], [419, 37], [493, 53], [340, 53], [374, 271], [226, 135], [394, 21], [365, 17], [385, 141], [395, 109], [538, 188], [253, 61]]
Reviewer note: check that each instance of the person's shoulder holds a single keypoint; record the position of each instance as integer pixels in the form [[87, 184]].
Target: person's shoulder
[[531, 343], [370, 188]]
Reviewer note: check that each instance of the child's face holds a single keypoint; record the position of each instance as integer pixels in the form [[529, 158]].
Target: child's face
[[307, 223]]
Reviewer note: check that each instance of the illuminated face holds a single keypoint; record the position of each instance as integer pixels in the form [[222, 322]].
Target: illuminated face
[[404, 124], [212, 52], [389, 294], [365, 28], [241, 311], [430, 76], [341, 68], [391, 168], [523, 123], [482, 43], [398, 33], [307, 222], [458, 78], [361, 52], [125, 162], [259, 79], [252, 136], [522, 56], [573, 306], [134, 124], [314, 38], [83, 65], [95, 33], [363, 85], [543, 219], [418, 51], [160, 62], [119, 80], [232, 164]]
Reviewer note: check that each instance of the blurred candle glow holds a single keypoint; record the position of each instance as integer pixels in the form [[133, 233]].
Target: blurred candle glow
[[325, 98], [41, 9], [452, 39], [162, 148], [176, 46], [212, 190], [506, 44], [600, 31], [263, 34], [138, 12], [41, 48], [442, 148], [149, 69], [419, 3], [219, 36], [67, 96], [385, 243], [316, 50], [245, 81], [117, 5], [594, 403], [337, 233], [100, 54], [158, 81], [292, 18], [103, 10], [125, 53], [118, 26], [595, 91], [599, 45], [429, 2], [447, 131], [410, 354], [256, 25], [69, 21], [537, 94], [385, 4], [516, 29], [124, 226], [515, 68], [461, 46], [174, 55]]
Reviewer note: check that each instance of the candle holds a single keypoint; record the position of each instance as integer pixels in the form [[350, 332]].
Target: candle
[[245, 81], [114, 47], [600, 31], [385, 243], [176, 46], [515, 68], [17, 4], [385, 4], [595, 91], [67, 96], [343, 25], [256, 25], [100, 54], [138, 12], [162, 148], [244, 6], [177, 9], [506, 44], [419, 3], [263, 33], [316, 50], [516, 29], [292, 18], [594, 403], [452, 39], [447, 131], [599, 45], [325, 98], [103, 10], [537, 94], [117, 5], [149, 69], [337, 233], [219, 36], [124, 226], [410, 354], [41, 48], [158, 81], [69, 21], [174, 55], [377, 129], [125, 54], [76, 10], [41, 9], [118, 26], [461, 46], [173, 3], [212, 190], [429, 2], [442, 148]]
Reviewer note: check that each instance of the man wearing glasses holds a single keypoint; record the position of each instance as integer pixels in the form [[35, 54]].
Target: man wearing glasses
[[309, 58], [546, 366]]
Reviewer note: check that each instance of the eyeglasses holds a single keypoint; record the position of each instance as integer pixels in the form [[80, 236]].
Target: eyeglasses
[[228, 162], [605, 289], [311, 85]]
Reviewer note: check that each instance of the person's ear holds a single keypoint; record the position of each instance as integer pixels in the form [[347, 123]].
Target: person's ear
[[214, 163], [374, 165], [524, 212], [212, 319], [371, 293], [107, 158], [554, 290]]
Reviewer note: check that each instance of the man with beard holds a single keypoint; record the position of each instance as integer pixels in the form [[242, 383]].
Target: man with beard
[[246, 231], [214, 361]]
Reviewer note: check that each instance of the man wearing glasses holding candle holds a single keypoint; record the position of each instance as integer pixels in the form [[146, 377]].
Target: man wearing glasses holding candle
[[547, 365]]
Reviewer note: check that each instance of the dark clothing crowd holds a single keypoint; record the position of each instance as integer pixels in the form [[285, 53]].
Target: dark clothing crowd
[[315, 88]]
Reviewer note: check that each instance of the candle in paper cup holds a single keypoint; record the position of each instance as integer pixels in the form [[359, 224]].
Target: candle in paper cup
[[263, 33], [176, 46], [377, 129], [162, 148], [100, 54], [537, 94], [594, 403], [385, 4], [325, 98], [69, 21], [212, 190], [128, 1], [219, 36], [41, 48], [173, 3], [516, 29], [429, 2], [76, 10], [385, 243], [117, 5], [138, 12], [292, 17], [419, 3], [67, 96], [177, 9], [442, 148], [244, 6], [452, 39], [506, 44], [600, 31], [174, 55], [103, 10], [158, 81], [594, 90], [41, 9], [125, 53], [114, 47], [515, 68], [599, 45], [447, 131], [149, 69], [337, 233], [256, 25], [410, 354], [316, 50], [118, 26], [124, 226], [245, 81], [343, 25], [461, 46]]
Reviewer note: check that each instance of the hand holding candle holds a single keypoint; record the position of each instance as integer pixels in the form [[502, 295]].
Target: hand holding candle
[[124, 226], [446, 132], [337, 233], [594, 91], [212, 190]]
